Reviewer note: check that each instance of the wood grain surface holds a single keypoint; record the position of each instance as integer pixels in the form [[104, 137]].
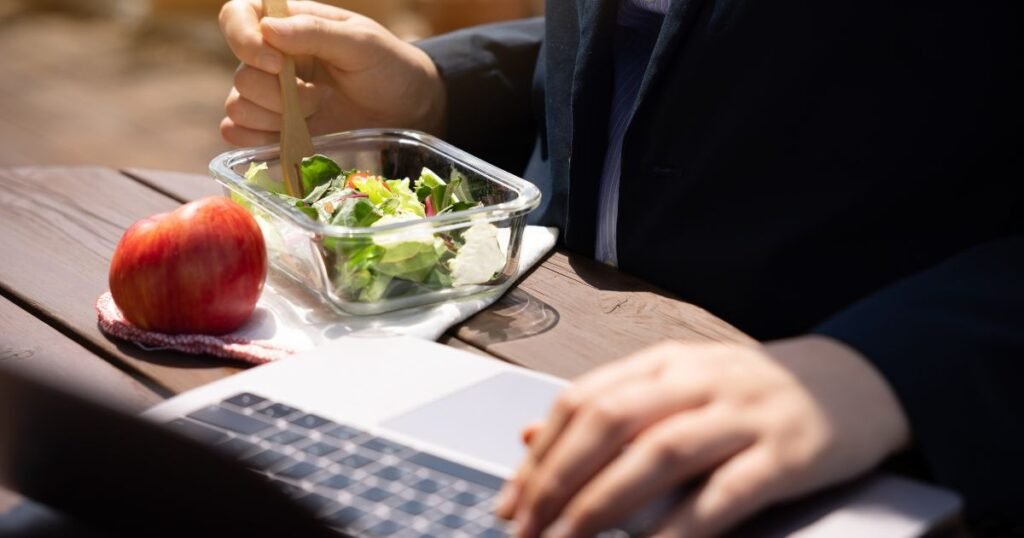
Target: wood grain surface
[[60, 226], [58, 230], [565, 317], [599, 316], [180, 186], [31, 346]]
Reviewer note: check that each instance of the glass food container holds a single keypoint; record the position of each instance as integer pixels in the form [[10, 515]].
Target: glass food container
[[369, 270]]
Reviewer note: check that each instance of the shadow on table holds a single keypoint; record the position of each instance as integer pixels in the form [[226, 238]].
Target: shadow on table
[[518, 314], [606, 278]]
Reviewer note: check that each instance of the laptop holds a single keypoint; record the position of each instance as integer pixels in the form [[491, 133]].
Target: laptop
[[365, 436]]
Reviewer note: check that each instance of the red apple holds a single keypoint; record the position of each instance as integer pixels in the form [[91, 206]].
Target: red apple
[[197, 269]]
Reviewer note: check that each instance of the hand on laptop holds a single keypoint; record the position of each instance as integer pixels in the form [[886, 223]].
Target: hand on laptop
[[759, 424]]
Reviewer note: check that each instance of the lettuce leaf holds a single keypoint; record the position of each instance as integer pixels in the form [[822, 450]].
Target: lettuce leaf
[[316, 171], [373, 188], [328, 206], [429, 179], [356, 213], [258, 175], [368, 268], [319, 192], [299, 204], [410, 260], [356, 277], [459, 188], [479, 258], [408, 203]]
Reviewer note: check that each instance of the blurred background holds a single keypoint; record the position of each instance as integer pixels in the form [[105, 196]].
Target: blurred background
[[141, 83]]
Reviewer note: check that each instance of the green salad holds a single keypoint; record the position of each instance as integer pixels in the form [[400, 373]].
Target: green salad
[[392, 263]]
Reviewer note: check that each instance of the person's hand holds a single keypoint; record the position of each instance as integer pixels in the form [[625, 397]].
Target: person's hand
[[748, 426], [353, 73]]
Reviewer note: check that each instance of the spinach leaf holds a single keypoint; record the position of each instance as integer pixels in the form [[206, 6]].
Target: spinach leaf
[[316, 171], [356, 213]]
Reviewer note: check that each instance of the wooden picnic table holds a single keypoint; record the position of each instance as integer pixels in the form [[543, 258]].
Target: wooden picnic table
[[59, 227]]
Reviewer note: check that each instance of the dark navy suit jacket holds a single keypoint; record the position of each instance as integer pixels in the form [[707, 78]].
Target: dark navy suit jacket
[[846, 167]]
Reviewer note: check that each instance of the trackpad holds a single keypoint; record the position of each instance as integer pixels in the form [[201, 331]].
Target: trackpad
[[483, 420]]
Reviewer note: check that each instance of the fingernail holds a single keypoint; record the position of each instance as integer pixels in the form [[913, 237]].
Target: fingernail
[[559, 529], [270, 62]]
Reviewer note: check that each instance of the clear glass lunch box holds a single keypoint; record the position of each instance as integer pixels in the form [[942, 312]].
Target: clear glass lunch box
[[333, 262]]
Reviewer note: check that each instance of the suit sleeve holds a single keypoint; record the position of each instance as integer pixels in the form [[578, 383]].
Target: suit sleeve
[[950, 342], [488, 72]]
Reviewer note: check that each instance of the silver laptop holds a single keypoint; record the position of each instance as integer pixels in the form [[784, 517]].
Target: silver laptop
[[392, 436]]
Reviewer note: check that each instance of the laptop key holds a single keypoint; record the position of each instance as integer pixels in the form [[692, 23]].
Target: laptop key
[[390, 473], [393, 487], [310, 422], [229, 420], [384, 528], [298, 471], [276, 411], [466, 498], [452, 521], [245, 399], [338, 481], [343, 433], [454, 469], [282, 437], [427, 485], [375, 494], [264, 460], [384, 445], [197, 431], [414, 508], [355, 461], [345, 517], [472, 529], [238, 447], [319, 449]]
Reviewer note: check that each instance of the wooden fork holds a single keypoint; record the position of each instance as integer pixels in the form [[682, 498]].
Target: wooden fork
[[296, 143]]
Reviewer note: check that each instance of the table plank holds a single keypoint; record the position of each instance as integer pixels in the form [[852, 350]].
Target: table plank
[[602, 314], [58, 230], [180, 186], [450, 339], [29, 345]]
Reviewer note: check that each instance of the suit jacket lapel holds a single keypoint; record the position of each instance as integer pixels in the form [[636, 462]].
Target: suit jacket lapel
[[678, 24], [590, 98]]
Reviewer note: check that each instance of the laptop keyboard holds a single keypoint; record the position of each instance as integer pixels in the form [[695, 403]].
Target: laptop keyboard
[[356, 482]]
